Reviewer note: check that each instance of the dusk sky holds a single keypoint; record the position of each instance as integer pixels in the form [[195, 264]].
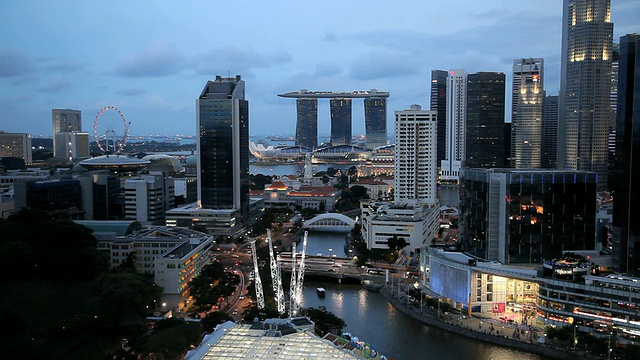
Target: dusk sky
[[152, 59]]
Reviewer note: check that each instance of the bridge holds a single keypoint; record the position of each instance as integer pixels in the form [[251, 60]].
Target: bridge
[[330, 222]]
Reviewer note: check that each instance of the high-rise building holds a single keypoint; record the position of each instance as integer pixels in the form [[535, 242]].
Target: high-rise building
[[307, 123], [16, 145], [526, 215], [415, 155], [626, 173], [375, 119], [584, 103], [64, 123], [148, 197], [484, 139], [456, 124], [375, 116], [439, 105], [549, 132], [526, 113], [222, 116], [340, 121]]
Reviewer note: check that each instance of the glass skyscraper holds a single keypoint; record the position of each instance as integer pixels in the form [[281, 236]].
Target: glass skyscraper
[[626, 173], [584, 104], [439, 105], [340, 121], [375, 121], [485, 120], [223, 146], [307, 124], [526, 113]]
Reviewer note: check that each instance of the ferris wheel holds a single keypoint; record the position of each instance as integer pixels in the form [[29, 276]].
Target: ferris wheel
[[118, 141]]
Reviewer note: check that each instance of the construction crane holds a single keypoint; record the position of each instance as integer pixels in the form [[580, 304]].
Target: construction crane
[[293, 289], [257, 281], [300, 280], [276, 279]]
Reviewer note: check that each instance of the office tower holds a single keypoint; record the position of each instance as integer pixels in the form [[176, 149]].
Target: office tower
[[65, 121], [223, 146], [71, 145], [583, 105], [307, 123], [375, 116], [549, 132], [456, 124], [484, 139], [147, 198], [439, 105], [340, 121], [16, 145], [375, 119], [626, 227], [526, 113], [415, 155], [526, 215]]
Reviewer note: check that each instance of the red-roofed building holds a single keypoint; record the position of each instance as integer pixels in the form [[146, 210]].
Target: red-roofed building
[[377, 190], [278, 194]]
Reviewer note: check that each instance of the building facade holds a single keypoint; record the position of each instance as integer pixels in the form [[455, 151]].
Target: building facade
[[64, 121], [148, 197], [340, 121], [584, 104], [307, 123], [526, 113], [456, 125], [439, 105], [626, 173], [223, 146], [484, 136], [375, 120], [416, 169], [16, 145], [549, 132], [522, 216]]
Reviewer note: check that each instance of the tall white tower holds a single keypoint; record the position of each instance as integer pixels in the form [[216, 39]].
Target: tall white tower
[[455, 151], [526, 113], [415, 156]]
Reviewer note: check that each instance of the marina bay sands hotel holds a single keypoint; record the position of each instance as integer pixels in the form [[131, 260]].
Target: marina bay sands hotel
[[375, 116]]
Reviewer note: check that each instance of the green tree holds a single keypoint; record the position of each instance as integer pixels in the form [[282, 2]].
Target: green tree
[[325, 320], [395, 243], [213, 319]]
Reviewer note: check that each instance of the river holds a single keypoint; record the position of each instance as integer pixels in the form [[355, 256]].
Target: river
[[373, 319]]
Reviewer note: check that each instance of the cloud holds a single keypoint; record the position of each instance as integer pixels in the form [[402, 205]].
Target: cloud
[[327, 70], [132, 92], [330, 37], [56, 85], [157, 60], [65, 67], [13, 64], [384, 65], [237, 60]]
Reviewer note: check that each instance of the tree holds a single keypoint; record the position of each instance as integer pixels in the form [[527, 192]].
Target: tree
[[325, 320], [213, 319], [396, 243]]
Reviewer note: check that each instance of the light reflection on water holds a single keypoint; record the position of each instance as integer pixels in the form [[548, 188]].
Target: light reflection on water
[[373, 319]]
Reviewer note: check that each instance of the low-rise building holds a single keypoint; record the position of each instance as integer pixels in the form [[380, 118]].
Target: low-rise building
[[376, 189]]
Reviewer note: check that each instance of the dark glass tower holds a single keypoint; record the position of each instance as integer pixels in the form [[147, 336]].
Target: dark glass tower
[[439, 105], [307, 124], [626, 227], [223, 146], [485, 120], [340, 121], [549, 132], [375, 121]]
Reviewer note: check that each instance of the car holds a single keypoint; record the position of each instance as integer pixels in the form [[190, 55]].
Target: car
[[241, 297], [235, 312]]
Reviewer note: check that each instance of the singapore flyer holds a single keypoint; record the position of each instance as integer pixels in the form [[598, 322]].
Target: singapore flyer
[[113, 141]]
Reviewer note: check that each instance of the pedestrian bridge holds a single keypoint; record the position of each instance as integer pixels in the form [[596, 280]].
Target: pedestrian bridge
[[330, 222]]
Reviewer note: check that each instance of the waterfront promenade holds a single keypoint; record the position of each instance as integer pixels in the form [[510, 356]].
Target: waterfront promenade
[[484, 330]]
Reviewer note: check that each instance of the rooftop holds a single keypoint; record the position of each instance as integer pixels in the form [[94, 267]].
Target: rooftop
[[304, 93]]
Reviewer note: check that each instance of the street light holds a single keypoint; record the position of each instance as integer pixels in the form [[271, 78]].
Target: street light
[[575, 339], [330, 250]]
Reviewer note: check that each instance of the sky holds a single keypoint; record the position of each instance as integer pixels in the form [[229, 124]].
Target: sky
[[151, 59]]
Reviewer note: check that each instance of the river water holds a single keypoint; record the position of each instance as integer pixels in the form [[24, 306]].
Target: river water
[[373, 319]]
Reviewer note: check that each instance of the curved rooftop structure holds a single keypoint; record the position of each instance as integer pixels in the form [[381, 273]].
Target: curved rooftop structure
[[358, 94], [118, 163]]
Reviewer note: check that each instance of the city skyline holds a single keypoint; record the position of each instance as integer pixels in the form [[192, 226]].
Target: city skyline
[[152, 67]]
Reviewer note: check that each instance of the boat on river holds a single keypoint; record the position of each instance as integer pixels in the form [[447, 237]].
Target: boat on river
[[321, 292], [370, 285]]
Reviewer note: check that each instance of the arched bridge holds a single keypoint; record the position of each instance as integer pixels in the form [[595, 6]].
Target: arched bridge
[[333, 222]]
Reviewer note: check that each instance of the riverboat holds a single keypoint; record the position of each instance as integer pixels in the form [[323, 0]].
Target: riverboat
[[321, 292], [370, 285]]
